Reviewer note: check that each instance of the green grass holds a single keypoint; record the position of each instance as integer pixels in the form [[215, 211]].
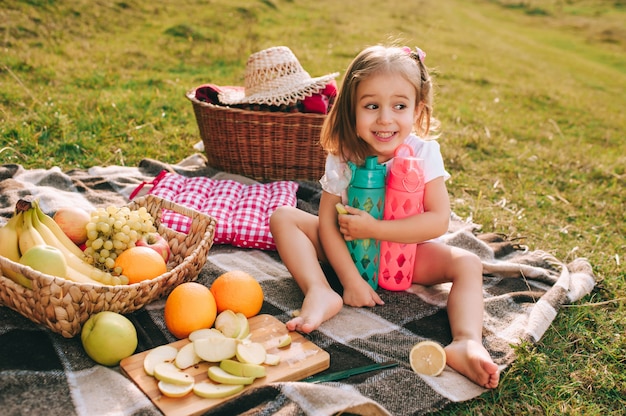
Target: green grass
[[530, 95]]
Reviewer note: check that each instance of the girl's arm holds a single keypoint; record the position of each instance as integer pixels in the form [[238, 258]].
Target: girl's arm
[[357, 292], [415, 229], [332, 240]]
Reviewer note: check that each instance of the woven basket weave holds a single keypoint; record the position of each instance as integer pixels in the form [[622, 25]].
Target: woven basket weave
[[64, 306], [261, 145]]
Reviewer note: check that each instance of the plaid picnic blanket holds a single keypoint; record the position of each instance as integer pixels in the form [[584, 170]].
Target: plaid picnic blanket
[[42, 372]]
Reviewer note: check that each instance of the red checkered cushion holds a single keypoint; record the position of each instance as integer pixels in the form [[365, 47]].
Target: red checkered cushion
[[242, 211]]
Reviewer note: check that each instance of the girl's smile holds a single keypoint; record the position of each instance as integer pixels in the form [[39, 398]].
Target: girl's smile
[[384, 136]]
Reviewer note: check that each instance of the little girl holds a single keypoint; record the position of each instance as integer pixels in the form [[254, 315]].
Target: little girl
[[385, 101]]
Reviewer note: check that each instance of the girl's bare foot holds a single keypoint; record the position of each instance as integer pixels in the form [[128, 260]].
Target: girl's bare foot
[[471, 359], [320, 304]]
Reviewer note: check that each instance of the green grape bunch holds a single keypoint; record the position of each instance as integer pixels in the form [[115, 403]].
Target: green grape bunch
[[112, 230]]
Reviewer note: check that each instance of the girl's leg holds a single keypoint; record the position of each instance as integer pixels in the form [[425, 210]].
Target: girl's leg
[[438, 263], [297, 241]]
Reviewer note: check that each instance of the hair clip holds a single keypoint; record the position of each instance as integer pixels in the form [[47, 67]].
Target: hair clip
[[421, 55], [415, 54]]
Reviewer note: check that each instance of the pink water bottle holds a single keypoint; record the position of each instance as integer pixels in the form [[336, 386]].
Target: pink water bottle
[[404, 196]]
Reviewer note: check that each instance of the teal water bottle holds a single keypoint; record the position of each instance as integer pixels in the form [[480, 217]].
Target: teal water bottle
[[366, 191]]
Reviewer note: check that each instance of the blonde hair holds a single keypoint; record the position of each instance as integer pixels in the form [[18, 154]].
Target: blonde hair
[[339, 136]]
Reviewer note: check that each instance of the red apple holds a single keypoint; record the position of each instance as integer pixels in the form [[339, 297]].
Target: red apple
[[157, 243], [73, 221]]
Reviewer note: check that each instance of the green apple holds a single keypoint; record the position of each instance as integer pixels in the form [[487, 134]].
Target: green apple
[[237, 368], [205, 333], [220, 376], [186, 357], [228, 323], [108, 337], [284, 341], [175, 390], [341, 209], [251, 353], [272, 359], [45, 259], [171, 374], [160, 354], [216, 391], [245, 326], [215, 349]]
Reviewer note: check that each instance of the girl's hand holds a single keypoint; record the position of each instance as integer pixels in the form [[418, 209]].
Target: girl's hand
[[356, 224], [361, 294]]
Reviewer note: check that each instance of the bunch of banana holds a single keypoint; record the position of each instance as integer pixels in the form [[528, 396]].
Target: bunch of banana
[[9, 247], [31, 227]]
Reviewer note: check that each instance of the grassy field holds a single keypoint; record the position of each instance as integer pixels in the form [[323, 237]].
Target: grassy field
[[530, 95]]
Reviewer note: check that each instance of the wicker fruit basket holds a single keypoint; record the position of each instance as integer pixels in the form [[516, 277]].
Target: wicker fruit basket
[[261, 145], [64, 306]]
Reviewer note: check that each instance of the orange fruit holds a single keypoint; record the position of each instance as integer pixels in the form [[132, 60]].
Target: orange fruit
[[190, 306], [140, 263], [238, 291]]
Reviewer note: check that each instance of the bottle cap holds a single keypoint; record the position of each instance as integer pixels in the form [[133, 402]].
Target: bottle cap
[[407, 172], [370, 175]]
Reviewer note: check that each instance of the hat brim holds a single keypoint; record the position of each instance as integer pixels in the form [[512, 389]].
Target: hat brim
[[278, 95]]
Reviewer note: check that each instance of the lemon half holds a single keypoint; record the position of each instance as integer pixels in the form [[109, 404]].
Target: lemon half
[[428, 358]]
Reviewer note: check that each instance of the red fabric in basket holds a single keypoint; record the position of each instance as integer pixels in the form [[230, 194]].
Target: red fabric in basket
[[242, 211]]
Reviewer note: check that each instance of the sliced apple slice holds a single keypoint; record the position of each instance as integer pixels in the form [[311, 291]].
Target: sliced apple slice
[[245, 325], [272, 359], [341, 209], [216, 391], [215, 349], [205, 333], [220, 376], [169, 373], [187, 357], [160, 354], [175, 390], [251, 353], [238, 368], [284, 341], [228, 323]]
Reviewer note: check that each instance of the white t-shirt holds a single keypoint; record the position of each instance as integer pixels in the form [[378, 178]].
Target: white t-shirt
[[337, 174]]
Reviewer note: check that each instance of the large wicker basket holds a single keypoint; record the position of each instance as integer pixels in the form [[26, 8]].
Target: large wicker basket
[[261, 145], [64, 306]]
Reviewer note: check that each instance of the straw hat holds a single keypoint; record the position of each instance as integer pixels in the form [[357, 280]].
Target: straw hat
[[274, 77]]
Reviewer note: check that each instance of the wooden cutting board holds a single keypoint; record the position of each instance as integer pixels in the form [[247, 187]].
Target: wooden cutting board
[[299, 360]]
